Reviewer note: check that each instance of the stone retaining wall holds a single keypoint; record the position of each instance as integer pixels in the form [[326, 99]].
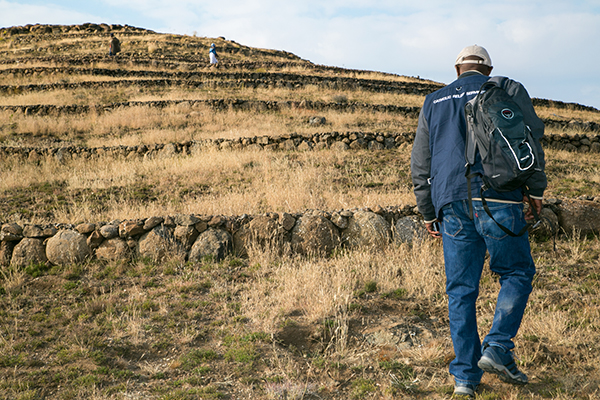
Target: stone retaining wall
[[199, 79], [44, 29], [195, 237], [340, 141]]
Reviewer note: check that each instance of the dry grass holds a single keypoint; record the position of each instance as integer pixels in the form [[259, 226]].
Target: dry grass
[[322, 288], [217, 182], [567, 114], [248, 319], [134, 93], [180, 123]]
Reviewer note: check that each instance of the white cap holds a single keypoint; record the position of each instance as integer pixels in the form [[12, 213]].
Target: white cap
[[474, 50]]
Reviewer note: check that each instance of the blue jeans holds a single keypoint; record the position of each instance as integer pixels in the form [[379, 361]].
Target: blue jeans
[[465, 243]]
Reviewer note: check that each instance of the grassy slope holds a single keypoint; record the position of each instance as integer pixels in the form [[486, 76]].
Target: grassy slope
[[361, 324]]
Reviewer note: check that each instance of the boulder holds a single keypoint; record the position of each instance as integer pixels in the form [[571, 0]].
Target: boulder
[[186, 235], [262, 231], [11, 232], [33, 231], [366, 229], [339, 146], [186, 220], [408, 229], [315, 235], [29, 251], [131, 228], [152, 222], [115, 249], [85, 228], [6, 249], [157, 244], [215, 243], [339, 220], [287, 221], [94, 239], [317, 120], [579, 216], [109, 231], [67, 247]]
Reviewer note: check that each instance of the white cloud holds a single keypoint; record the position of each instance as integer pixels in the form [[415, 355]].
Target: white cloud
[[18, 14]]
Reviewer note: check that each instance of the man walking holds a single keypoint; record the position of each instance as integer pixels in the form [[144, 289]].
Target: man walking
[[440, 186], [114, 46]]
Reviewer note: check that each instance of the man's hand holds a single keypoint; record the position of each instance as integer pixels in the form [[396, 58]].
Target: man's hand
[[537, 203], [432, 229]]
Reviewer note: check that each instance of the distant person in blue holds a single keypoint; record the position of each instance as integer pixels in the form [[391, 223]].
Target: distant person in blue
[[212, 53], [440, 187]]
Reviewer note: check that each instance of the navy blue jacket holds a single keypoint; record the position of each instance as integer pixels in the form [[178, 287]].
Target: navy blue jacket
[[438, 163]]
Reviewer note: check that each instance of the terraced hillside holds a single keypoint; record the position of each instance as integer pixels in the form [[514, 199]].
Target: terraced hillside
[[157, 132]]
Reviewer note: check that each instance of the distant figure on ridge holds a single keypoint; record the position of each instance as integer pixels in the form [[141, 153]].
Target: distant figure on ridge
[[115, 45], [212, 53]]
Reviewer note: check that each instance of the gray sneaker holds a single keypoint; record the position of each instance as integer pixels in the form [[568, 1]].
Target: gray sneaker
[[498, 361], [465, 389]]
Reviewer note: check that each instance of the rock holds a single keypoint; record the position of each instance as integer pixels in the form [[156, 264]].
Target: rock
[[49, 231], [11, 232], [366, 229], [168, 151], [315, 235], [305, 146], [216, 221], [157, 244], [115, 249], [262, 231], [215, 243], [289, 145], [375, 145], [359, 143], [109, 231], [33, 231], [67, 247], [407, 229], [339, 220], [95, 239], [29, 251], [579, 216], [317, 120], [85, 228], [339, 146], [287, 221], [186, 220], [186, 235], [6, 249], [152, 222], [131, 228], [201, 226]]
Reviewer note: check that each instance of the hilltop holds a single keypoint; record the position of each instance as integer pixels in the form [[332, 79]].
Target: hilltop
[[156, 137]]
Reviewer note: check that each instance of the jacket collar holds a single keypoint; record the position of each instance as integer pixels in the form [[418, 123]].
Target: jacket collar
[[469, 73]]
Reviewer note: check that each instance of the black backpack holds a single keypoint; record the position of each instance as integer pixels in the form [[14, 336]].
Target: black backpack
[[496, 128]]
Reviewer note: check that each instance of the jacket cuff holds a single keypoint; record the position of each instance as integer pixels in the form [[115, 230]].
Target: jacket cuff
[[536, 194]]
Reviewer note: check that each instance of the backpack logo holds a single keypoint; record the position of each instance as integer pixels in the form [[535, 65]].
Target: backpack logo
[[507, 113]]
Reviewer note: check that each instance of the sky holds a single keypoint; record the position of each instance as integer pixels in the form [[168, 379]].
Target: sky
[[551, 46]]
